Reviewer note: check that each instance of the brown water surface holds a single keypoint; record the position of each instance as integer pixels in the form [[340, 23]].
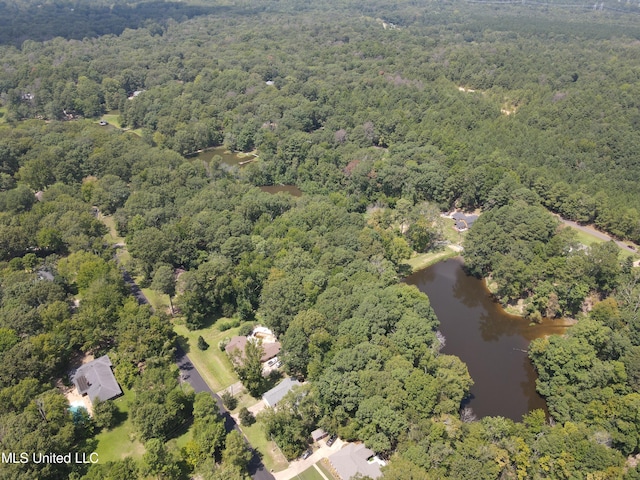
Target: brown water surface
[[290, 189], [491, 342]]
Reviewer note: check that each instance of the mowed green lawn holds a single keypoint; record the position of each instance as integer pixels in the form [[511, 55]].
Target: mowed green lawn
[[423, 260], [212, 364], [120, 442], [323, 465], [588, 240], [309, 474], [113, 118], [271, 455]]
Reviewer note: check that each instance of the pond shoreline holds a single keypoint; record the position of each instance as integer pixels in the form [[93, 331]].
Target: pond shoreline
[[492, 343]]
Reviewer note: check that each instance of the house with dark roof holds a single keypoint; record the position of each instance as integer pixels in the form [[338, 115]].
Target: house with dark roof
[[356, 460], [96, 380], [277, 393], [463, 221]]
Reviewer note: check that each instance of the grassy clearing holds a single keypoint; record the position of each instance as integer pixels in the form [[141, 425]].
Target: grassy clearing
[[3, 114], [309, 474], [178, 443], [213, 364], [112, 236], [113, 118], [424, 260], [120, 442], [271, 455], [588, 240], [159, 301], [324, 466], [450, 233], [244, 400]]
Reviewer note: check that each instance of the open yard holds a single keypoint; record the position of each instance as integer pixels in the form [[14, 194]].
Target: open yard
[[271, 455], [213, 364], [120, 441], [323, 465], [309, 474], [588, 239], [423, 260], [113, 118]]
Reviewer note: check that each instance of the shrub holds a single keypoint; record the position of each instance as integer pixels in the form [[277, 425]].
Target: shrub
[[202, 343], [227, 324], [229, 400], [246, 328], [104, 413], [246, 417]]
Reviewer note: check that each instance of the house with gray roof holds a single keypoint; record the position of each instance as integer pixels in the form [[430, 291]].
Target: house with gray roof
[[463, 221], [277, 393], [356, 460], [96, 380]]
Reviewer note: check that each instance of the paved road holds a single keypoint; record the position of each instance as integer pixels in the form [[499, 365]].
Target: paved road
[[190, 374], [596, 233]]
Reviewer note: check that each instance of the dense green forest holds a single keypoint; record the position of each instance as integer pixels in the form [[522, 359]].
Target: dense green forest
[[384, 115]]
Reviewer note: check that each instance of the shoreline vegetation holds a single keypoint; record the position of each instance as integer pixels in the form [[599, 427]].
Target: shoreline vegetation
[[587, 235]]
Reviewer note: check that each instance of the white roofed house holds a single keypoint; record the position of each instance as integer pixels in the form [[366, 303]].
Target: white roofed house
[[96, 380]]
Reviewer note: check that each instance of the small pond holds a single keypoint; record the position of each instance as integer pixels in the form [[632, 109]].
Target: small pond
[[491, 342], [290, 189], [230, 159]]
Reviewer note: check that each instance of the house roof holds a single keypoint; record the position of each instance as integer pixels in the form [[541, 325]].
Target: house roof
[[353, 460], [464, 221], [96, 379], [271, 349], [273, 396], [317, 434]]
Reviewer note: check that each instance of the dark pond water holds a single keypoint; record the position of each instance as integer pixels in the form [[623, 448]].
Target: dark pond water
[[290, 189], [491, 342]]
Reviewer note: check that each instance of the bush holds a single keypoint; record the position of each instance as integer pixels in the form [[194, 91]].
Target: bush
[[246, 417], [229, 400], [227, 324], [202, 343], [104, 413], [246, 328]]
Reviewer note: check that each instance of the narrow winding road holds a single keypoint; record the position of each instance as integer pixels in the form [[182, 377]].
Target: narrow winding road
[[190, 374]]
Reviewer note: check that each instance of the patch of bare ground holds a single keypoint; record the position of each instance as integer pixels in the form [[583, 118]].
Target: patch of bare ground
[[70, 392]]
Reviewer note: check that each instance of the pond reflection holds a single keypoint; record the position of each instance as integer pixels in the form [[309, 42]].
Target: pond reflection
[[491, 342]]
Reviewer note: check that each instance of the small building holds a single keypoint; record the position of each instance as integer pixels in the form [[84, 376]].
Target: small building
[[356, 460], [277, 393], [135, 94], [271, 349], [463, 221], [318, 434], [96, 380]]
